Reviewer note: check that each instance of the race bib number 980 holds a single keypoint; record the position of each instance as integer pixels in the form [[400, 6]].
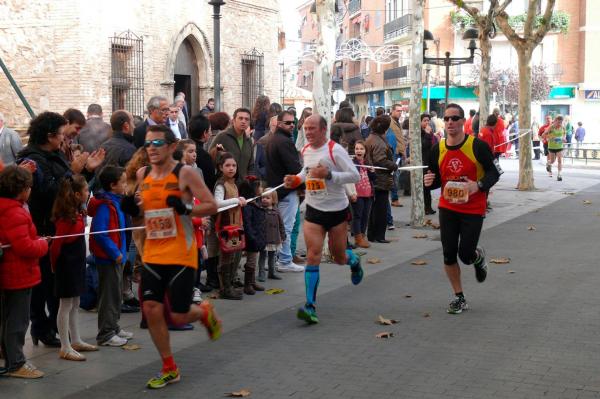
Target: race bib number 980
[[160, 223], [456, 192]]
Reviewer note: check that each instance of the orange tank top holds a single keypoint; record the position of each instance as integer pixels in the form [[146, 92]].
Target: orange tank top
[[170, 238]]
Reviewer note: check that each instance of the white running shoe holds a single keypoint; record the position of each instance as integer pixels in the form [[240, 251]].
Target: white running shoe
[[290, 268], [197, 297], [125, 334], [115, 341]]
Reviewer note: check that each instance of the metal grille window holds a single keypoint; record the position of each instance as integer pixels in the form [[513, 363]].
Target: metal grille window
[[127, 72], [253, 82]]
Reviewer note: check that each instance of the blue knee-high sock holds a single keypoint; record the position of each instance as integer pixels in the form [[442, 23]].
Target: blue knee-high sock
[[311, 281], [351, 258]]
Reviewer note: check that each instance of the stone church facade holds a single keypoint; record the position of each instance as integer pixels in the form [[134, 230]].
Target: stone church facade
[[116, 53]]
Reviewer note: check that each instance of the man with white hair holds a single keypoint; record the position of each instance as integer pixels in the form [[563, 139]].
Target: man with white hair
[[158, 111], [179, 102], [184, 107], [10, 143]]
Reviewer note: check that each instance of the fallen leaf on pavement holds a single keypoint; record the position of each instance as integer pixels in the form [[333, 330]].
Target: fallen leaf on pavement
[[568, 193], [427, 222], [587, 202], [238, 394], [384, 335], [407, 296], [531, 228], [373, 260], [426, 314], [435, 226], [500, 261], [132, 347], [420, 235], [274, 291], [386, 322], [418, 262], [511, 272]]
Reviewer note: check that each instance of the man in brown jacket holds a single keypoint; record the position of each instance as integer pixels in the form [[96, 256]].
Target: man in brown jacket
[[400, 147]]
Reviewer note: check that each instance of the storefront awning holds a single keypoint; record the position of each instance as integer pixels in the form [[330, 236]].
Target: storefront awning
[[558, 92], [455, 93]]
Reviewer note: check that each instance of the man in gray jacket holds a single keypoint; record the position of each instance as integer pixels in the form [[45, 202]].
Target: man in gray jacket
[[10, 143], [95, 132]]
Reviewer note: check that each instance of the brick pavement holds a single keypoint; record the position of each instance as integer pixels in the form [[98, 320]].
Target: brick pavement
[[532, 333]]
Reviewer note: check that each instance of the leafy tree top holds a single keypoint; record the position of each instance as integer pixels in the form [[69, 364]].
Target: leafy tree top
[[559, 22]]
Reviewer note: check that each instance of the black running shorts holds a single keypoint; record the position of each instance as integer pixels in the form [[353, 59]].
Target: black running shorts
[[327, 219], [173, 280]]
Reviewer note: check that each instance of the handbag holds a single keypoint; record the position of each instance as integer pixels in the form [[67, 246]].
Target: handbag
[[231, 238]]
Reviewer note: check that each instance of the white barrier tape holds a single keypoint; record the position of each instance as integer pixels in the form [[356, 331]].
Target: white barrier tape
[[86, 234], [513, 139], [269, 191]]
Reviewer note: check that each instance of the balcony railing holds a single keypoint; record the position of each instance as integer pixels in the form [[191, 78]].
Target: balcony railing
[[355, 81], [396, 73], [337, 84], [353, 7], [398, 27]]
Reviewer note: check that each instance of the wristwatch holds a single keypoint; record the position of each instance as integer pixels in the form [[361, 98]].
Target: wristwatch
[[329, 175], [188, 208], [480, 185]]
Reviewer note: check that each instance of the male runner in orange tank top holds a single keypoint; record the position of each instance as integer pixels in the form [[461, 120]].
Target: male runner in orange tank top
[[170, 254]]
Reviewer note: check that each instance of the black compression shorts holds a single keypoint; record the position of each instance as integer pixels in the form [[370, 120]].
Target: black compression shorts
[[327, 219], [460, 235], [175, 280]]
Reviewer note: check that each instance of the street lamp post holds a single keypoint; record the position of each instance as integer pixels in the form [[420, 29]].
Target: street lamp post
[[504, 83], [282, 79], [470, 34], [427, 81], [217, 49]]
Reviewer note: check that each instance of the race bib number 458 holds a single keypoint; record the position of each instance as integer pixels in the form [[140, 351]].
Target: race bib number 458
[[456, 192], [160, 223]]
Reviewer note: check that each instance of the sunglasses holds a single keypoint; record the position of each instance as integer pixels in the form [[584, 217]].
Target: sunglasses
[[455, 118], [156, 143], [288, 123]]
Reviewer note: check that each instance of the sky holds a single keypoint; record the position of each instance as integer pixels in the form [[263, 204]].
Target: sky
[[291, 24]]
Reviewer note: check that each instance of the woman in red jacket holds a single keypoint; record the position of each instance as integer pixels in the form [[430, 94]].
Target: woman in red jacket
[[486, 133], [20, 269]]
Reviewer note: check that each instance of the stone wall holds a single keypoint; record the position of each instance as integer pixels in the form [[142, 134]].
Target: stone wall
[[59, 51]]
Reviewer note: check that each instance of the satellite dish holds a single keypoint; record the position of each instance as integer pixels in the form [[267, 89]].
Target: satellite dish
[[339, 96]]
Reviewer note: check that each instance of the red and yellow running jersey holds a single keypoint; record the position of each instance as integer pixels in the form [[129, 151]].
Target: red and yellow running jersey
[[455, 165]]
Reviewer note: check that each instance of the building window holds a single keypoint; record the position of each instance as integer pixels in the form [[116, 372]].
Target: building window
[[253, 82], [127, 73]]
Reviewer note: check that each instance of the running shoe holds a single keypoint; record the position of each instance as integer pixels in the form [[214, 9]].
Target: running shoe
[[163, 378], [391, 227], [357, 272], [197, 297], [211, 321], [114, 341], [308, 314], [458, 305], [290, 268], [559, 178], [480, 265], [125, 334], [548, 168]]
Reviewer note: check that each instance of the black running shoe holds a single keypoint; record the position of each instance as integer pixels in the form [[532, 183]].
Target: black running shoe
[[548, 168], [458, 305], [559, 178], [480, 265]]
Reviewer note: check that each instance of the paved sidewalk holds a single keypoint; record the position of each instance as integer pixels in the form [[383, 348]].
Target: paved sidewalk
[[532, 333]]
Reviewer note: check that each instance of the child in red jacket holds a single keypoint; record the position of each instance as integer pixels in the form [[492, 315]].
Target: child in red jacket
[[20, 269]]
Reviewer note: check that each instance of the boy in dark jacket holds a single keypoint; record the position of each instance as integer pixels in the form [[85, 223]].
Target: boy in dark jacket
[[109, 252], [254, 231]]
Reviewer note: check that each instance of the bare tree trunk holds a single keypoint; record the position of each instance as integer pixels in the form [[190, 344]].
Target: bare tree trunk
[[416, 176], [325, 58], [525, 167], [484, 77]]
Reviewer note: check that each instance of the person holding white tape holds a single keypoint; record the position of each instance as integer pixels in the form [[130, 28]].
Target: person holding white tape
[[465, 169]]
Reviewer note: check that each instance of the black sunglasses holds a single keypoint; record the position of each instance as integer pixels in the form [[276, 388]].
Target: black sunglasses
[[288, 123], [155, 143], [455, 118]]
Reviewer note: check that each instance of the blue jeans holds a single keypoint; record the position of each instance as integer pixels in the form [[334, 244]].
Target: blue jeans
[[288, 208]]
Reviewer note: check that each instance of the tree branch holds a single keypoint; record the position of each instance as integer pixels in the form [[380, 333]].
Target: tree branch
[[545, 27], [531, 14], [503, 6], [472, 11], [509, 32]]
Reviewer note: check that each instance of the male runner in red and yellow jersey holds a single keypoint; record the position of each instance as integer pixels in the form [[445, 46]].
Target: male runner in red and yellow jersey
[[465, 169]]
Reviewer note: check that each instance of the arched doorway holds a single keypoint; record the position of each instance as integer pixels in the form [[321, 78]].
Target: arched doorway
[[186, 75]]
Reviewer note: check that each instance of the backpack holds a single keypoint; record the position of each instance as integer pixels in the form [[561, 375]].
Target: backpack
[[330, 144]]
